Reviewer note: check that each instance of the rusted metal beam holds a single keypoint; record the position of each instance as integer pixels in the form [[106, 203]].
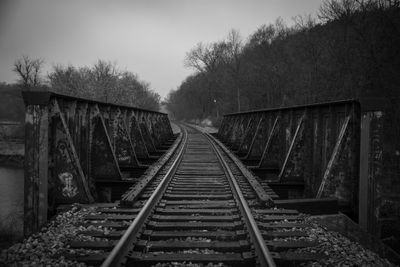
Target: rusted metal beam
[[378, 169], [334, 157], [227, 123], [74, 143], [104, 158], [357, 163], [365, 195], [157, 131], [137, 137], [146, 134], [282, 109], [240, 134], [261, 137], [257, 132], [124, 150], [249, 134], [43, 98], [36, 167], [301, 154], [67, 167], [295, 140], [231, 131], [272, 135]]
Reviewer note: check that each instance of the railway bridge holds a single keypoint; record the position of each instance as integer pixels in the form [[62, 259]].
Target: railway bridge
[[252, 193]]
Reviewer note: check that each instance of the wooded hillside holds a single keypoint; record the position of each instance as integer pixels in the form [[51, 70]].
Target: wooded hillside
[[351, 49]]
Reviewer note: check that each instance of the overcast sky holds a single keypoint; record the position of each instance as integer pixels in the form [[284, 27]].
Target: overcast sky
[[146, 37]]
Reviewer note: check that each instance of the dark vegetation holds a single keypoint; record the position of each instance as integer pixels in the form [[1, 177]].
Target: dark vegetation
[[351, 50], [11, 104], [101, 82]]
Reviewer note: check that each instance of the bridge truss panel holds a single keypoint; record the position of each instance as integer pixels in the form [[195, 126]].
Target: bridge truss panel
[[74, 143]]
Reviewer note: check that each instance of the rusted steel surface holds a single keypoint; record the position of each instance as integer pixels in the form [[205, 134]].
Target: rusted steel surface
[[36, 168], [380, 170], [302, 145], [73, 143], [66, 164], [146, 134], [265, 128], [136, 136], [249, 134], [102, 157], [348, 150]]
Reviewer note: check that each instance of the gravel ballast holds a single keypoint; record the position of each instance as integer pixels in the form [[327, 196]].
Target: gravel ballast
[[50, 246]]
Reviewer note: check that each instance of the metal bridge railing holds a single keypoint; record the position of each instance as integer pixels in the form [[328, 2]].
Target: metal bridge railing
[[345, 149], [71, 143]]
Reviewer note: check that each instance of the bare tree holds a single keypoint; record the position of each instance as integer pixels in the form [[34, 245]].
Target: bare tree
[[206, 58], [105, 76], [72, 81], [233, 60], [28, 71], [304, 23], [337, 9]]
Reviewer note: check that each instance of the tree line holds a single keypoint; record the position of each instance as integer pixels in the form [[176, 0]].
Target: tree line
[[351, 49], [102, 82]]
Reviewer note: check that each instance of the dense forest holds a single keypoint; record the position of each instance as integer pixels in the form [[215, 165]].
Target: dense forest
[[102, 82], [351, 49]]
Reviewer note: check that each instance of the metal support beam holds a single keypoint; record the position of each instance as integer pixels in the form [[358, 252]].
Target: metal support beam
[[67, 167], [364, 209], [295, 140], [72, 144], [137, 137], [270, 140], [36, 167], [249, 134], [334, 156]]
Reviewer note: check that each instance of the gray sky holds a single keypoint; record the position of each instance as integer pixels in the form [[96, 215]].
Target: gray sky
[[147, 37]]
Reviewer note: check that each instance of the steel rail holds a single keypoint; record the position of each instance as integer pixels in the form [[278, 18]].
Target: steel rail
[[264, 255], [117, 255]]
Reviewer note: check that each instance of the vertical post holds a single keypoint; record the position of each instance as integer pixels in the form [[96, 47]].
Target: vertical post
[[374, 188], [363, 206], [36, 167]]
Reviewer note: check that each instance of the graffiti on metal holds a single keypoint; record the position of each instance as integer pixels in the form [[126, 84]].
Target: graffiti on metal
[[77, 143], [69, 186], [102, 156], [305, 145]]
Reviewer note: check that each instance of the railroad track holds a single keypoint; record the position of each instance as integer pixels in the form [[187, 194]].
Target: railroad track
[[200, 207]]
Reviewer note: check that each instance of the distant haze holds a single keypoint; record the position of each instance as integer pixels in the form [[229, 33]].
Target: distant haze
[[146, 37]]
